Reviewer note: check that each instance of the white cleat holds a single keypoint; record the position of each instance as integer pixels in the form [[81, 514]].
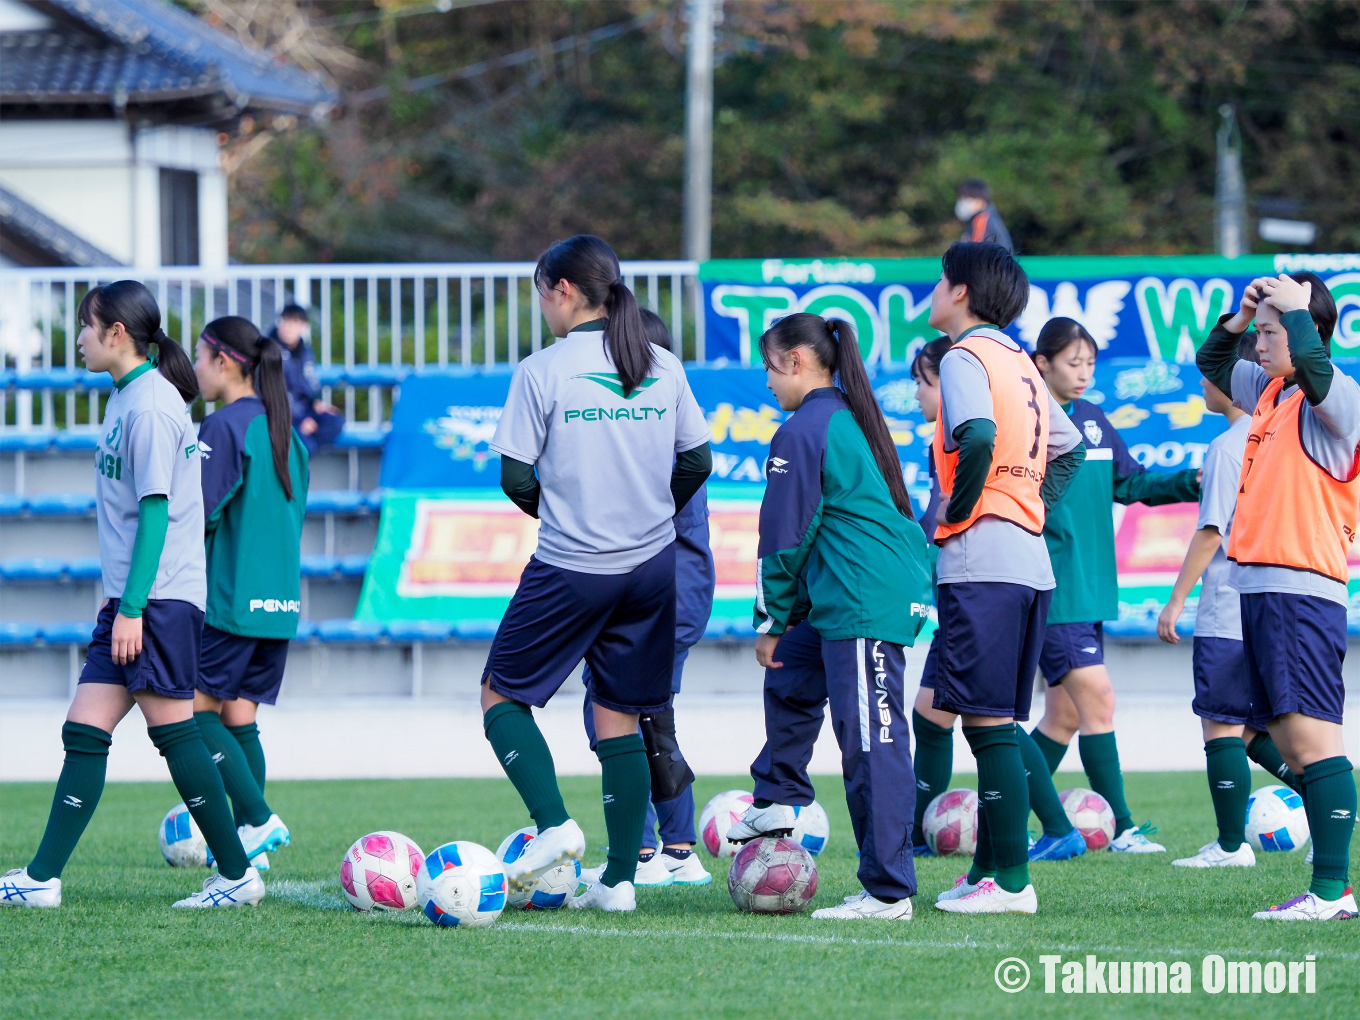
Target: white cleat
[[545, 851], [260, 862], [1134, 840], [248, 890], [1214, 856], [652, 873], [18, 890], [599, 896], [962, 887], [1309, 908], [775, 820], [690, 871], [258, 839], [862, 906], [990, 898]]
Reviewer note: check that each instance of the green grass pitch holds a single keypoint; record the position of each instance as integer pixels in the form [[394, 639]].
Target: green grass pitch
[[116, 949]]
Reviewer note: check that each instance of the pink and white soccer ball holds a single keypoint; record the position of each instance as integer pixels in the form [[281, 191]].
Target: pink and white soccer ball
[[772, 876], [951, 822], [1091, 815], [379, 872], [719, 815]]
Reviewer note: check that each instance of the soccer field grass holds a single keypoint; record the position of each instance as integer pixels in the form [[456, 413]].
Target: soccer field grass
[[116, 949]]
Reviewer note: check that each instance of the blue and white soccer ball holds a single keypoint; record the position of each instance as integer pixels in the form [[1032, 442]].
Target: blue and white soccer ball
[[1276, 819], [462, 885], [811, 828], [182, 844], [554, 888]]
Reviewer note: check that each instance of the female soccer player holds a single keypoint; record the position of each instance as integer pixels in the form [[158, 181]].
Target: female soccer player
[[603, 441], [255, 497], [836, 533], [1296, 520], [146, 641], [1222, 691], [1080, 536]]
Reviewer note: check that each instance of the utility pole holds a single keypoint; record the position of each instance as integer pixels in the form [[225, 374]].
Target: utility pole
[[698, 227], [1230, 192]]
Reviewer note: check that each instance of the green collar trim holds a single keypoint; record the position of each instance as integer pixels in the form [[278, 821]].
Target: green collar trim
[[593, 326], [142, 369], [973, 329]]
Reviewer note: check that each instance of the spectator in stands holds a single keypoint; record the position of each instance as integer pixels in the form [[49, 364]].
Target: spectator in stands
[[974, 207], [317, 422]]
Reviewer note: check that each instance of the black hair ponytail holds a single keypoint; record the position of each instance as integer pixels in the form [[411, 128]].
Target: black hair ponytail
[[259, 357], [130, 303], [930, 355], [1060, 333], [593, 269], [834, 344]]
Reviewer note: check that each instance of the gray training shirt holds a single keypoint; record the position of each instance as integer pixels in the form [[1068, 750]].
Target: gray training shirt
[[604, 460], [993, 549], [1220, 614], [148, 446]]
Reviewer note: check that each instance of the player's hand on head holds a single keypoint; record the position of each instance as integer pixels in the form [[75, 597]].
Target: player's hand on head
[[1285, 294], [126, 639]]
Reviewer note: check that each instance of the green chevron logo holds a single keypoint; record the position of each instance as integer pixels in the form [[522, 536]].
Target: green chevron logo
[[610, 381]]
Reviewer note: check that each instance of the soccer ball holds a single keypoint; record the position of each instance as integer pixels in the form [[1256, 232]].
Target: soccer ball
[[811, 829], [772, 876], [1091, 815], [462, 885], [1276, 819], [379, 872], [951, 823], [719, 815], [554, 888], [182, 844]]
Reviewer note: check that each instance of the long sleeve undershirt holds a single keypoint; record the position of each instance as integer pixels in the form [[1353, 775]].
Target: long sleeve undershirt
[[153, 520]]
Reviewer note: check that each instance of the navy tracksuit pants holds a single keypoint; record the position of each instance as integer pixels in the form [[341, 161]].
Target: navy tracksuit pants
[[863, 682]]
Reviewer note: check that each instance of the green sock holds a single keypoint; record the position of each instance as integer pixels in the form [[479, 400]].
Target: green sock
[[984, 864], [247, 801], [1229, 787], [1263, 752], [627, 783], [78, 791], [1043, 795], [248, 737], [1330, 804], [524, 755], [197, 779], [1003, 796], [1100, 759], [933, 765], [1053, 751]]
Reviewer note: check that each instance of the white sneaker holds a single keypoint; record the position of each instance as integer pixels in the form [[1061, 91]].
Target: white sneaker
[[775, 820], [653, 873], [690, 871], [258, 839], [1214, 856], [546, 850], [863, 906], [260, 862], [18, 890], [599, 896], [248, 890], [990, 898], [1134, 840], [962, 887], [1309, 908]]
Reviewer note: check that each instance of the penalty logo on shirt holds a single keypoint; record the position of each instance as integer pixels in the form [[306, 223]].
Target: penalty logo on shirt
[[611, 382]]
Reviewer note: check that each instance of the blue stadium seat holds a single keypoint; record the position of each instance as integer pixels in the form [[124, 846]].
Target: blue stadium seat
[[419, 630], [62, 379], [80, 439], [61, 504], [84, 568], [375, 375], [375, 499], [330, 375], [350, 631], [353, 566], [12, 505], [723, 627], [359, 439], [334, 566], [306, 630], [12, 633], [337, 501], [67, 632], [13, 441], [475, 630]]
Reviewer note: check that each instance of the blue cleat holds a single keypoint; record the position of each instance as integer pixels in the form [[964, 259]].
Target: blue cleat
[[921, 850], [1058, 848]]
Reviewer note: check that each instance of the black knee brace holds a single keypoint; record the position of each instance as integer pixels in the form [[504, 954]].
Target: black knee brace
[[671, 774]]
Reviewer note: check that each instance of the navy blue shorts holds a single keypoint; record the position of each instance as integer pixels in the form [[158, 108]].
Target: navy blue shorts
[[1295, 645], [990, 635], [231, 666], [1069, 646], [930, 672], [1222, 692], [622, 625], [168, 665]]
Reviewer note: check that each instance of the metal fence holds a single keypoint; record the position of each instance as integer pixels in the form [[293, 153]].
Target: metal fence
[[370, 324]]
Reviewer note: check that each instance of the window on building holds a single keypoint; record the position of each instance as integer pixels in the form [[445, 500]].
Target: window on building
[[179, 218]]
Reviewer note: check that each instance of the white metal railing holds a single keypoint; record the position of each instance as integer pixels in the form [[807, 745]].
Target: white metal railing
[[370, 324]]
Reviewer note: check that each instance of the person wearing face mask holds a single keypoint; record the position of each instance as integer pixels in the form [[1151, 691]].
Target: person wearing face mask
[[973, 207]]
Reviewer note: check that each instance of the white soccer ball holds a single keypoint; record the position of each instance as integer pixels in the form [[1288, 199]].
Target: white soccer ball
[[1276, 819], [719, 815], [462, 885], [1091, 815], [182, 844], [379, 872], [951, 822], [554, 888], [811, 828]]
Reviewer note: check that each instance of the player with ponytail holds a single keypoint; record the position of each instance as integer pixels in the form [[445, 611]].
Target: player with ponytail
[[843, 585], [255, 497]]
